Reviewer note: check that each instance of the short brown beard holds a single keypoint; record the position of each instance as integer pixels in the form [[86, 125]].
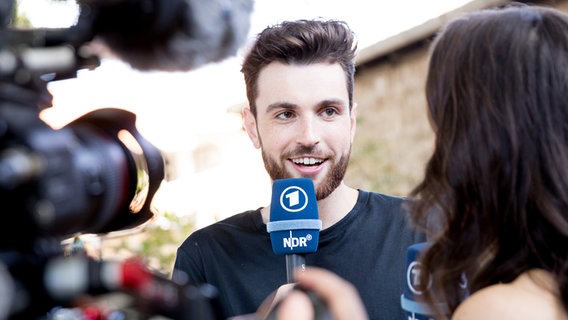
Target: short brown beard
[[331, 181]]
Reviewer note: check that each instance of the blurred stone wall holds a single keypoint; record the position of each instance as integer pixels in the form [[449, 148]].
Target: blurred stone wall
[[394, 140]]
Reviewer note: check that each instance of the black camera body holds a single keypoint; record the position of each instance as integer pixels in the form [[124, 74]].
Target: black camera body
[[95, 175]]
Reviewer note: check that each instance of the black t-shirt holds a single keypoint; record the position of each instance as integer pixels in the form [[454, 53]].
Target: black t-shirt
[[367, 247]]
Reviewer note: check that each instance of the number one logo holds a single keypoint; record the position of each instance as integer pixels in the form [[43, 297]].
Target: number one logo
[[293, 198]]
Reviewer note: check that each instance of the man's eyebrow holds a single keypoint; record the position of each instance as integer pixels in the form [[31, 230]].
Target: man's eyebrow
[[328, 102], [280, 105]]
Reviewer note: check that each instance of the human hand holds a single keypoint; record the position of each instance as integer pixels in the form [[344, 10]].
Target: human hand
[[340, 296], [315, 288]]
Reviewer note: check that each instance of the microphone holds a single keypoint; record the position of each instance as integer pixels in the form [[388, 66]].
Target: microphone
[[294, 222], [413, 290], [174, 35]]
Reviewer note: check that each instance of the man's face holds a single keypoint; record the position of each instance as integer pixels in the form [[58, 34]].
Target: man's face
[[303, 123]]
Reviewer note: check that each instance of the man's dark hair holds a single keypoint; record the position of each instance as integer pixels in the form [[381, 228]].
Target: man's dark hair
[[301, 42]]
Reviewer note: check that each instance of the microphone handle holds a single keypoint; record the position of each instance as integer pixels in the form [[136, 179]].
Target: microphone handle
[[293, 262]]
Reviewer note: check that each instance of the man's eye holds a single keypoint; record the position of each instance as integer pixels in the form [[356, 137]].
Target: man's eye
[[284, 115], [330, 112]]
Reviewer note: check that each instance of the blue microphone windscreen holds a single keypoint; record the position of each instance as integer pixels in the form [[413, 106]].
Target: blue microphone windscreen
[[294, 221], [411, 299], [413, 290]]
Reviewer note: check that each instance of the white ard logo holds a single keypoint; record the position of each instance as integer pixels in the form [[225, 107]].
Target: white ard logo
[[293, 199]]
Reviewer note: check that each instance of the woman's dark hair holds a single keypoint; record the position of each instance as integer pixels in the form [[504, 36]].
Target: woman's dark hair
[[497, 182]]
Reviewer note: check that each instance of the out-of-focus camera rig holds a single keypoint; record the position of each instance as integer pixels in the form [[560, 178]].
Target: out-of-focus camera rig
[[96, 175]]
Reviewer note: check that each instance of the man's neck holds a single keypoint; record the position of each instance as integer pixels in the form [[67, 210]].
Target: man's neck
[[331, 209]]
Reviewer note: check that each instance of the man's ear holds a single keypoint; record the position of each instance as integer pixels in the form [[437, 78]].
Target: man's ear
[[353, 121], [249, 123]]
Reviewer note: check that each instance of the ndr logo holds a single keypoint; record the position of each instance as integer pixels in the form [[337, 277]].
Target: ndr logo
[[293, 199], [294, 242]]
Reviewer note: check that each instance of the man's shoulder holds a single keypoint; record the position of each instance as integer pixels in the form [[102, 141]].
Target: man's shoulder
[[382, 199], [384, 196], [387, 207], [247, 220]]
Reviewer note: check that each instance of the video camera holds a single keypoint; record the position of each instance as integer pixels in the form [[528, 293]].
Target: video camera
[[97, 174]]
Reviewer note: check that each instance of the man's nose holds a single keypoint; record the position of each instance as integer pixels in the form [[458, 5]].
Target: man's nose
[[308, 133]]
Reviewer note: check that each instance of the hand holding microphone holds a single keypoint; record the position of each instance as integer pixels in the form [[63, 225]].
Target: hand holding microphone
[[294, 231], [319, 294], [294, 222]]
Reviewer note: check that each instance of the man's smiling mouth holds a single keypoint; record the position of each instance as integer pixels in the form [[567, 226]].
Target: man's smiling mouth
[[307, 161]]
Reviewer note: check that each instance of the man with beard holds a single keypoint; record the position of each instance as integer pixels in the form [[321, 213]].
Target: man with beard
[[299, 77]]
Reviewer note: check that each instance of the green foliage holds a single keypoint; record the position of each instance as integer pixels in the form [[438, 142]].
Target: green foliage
[[158, 242], [19, 19], [162, 240]]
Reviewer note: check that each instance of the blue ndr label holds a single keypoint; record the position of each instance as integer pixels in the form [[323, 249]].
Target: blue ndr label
[[296, 242]]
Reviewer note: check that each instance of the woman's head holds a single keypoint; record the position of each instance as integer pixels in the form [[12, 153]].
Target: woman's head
[[497, 94]]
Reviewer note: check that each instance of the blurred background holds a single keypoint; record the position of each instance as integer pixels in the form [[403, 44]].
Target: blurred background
[[213, 170]]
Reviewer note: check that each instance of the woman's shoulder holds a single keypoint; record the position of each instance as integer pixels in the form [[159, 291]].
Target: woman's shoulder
[[532, 295]]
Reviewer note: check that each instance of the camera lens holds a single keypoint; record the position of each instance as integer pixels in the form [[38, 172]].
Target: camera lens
[[95, 175], [129, 171]]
